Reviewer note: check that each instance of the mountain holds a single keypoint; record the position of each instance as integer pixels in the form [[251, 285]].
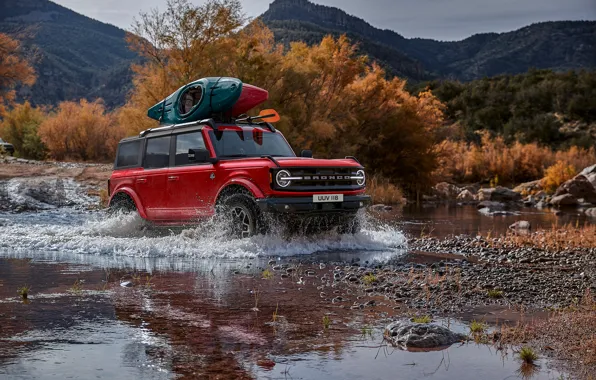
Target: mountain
[[560, 46], [78, 57], [75, 56]]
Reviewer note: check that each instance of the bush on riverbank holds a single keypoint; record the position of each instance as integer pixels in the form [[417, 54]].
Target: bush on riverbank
[[383, 191], [463, 162], [82, 131]]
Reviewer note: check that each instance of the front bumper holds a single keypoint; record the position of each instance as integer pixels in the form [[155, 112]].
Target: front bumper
[[305, 205]]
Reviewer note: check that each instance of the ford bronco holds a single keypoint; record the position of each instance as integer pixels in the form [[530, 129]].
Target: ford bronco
[[238, 167]]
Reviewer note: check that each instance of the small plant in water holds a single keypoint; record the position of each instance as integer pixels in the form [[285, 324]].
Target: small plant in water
[[23, 291], [267, 274], [477, 327], [326, 321], [77, 287], [275, 313], [369, 279], [527, 355], [367, 331], [494, 293], [422, 319], [256, 293]]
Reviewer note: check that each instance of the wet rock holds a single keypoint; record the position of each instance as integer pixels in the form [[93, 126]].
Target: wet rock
[[590, 174], [564, 200], [578, 187], [466, 196], [528, 187], [446, 191], [521, 225], [420, 335], [498, 194], [491, 205], [379, 208]]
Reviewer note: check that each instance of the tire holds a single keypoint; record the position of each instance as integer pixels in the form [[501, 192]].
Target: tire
[[122, 204], [350, 226], [241, 216]]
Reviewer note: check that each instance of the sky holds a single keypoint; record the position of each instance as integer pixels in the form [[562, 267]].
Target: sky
[[437, 19]]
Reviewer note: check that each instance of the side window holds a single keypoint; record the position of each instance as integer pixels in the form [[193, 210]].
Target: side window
[[193, 140], [129, 154], [157, 154]]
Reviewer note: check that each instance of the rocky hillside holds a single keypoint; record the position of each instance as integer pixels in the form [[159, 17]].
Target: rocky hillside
[[555, 45], [75, 56]]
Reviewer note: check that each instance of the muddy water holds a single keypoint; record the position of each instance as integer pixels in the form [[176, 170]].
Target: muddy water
[[198, 307]]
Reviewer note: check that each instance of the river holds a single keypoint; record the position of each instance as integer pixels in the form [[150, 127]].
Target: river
[[198, 307]]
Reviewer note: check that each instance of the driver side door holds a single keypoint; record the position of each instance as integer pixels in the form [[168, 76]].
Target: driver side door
[[191, 185]]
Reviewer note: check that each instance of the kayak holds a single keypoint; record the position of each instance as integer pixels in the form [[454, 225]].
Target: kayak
[[208, 98]]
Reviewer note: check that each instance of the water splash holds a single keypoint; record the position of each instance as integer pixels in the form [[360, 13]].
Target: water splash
[[66, 230]]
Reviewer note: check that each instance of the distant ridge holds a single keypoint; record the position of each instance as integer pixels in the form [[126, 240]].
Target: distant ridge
[[84, 58], [560, 45], [78, 57]]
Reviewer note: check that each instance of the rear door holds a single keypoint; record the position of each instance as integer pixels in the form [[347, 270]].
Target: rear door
[[151, 186], [191, 188]]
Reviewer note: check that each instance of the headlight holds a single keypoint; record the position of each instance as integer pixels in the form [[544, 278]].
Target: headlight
[[360, 178], [282, 178]]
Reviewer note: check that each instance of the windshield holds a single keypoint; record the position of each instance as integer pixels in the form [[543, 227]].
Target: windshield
[[1, 141], [249, 143]]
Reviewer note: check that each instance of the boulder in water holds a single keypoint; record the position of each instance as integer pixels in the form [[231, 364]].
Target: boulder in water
[[420, 335]]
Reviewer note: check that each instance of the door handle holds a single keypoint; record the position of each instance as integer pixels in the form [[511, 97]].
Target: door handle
[[173, 178], [142, 180]]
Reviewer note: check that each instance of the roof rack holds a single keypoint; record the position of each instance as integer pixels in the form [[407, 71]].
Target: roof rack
[[209, 122]]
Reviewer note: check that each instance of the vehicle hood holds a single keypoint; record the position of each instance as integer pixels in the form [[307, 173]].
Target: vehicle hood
[[287, 162]]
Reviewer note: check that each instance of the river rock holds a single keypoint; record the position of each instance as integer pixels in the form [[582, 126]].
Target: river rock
[[528, 187], [564, 200], [491, 205], [420, 335], [381, 208], [446, 191], [498, 194], [521, 225], [579, 187], [590, 174], [466, 196]]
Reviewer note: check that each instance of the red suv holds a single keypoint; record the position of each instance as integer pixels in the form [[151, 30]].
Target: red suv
[[244, 170]]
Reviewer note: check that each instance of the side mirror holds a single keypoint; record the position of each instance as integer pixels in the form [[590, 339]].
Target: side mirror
[[306, 153], [199, 155]]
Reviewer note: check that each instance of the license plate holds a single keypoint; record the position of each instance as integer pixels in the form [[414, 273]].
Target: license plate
[[323, 198]]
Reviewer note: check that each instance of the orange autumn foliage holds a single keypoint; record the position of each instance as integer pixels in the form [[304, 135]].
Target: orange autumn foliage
[[14, 70], [81, 131], [463, 162]]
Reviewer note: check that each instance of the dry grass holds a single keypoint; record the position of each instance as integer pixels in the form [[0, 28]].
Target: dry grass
[[383, 191], [462, 162], [555, 238], [569, 333]]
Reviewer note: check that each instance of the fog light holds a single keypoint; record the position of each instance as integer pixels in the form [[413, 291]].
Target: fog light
[[361, 204], [287, 207]]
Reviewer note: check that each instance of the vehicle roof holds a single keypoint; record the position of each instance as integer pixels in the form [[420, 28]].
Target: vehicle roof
[[186, 127]]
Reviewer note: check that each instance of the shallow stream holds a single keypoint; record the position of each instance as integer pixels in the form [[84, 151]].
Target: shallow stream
[[197, 306]]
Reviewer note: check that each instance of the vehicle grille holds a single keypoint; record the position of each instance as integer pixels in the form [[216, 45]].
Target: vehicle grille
[[322, 179]]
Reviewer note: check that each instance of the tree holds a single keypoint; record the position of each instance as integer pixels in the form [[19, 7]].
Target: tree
[[19, 126], [330, 99], [14, 70]]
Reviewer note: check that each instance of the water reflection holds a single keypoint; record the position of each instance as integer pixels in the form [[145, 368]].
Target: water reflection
[[200, 323]]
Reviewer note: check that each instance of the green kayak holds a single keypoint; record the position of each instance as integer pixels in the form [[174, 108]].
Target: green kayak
[[198, 100]]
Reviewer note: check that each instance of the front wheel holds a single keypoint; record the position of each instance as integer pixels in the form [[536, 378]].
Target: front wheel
[[350, 226], [240, 215]]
